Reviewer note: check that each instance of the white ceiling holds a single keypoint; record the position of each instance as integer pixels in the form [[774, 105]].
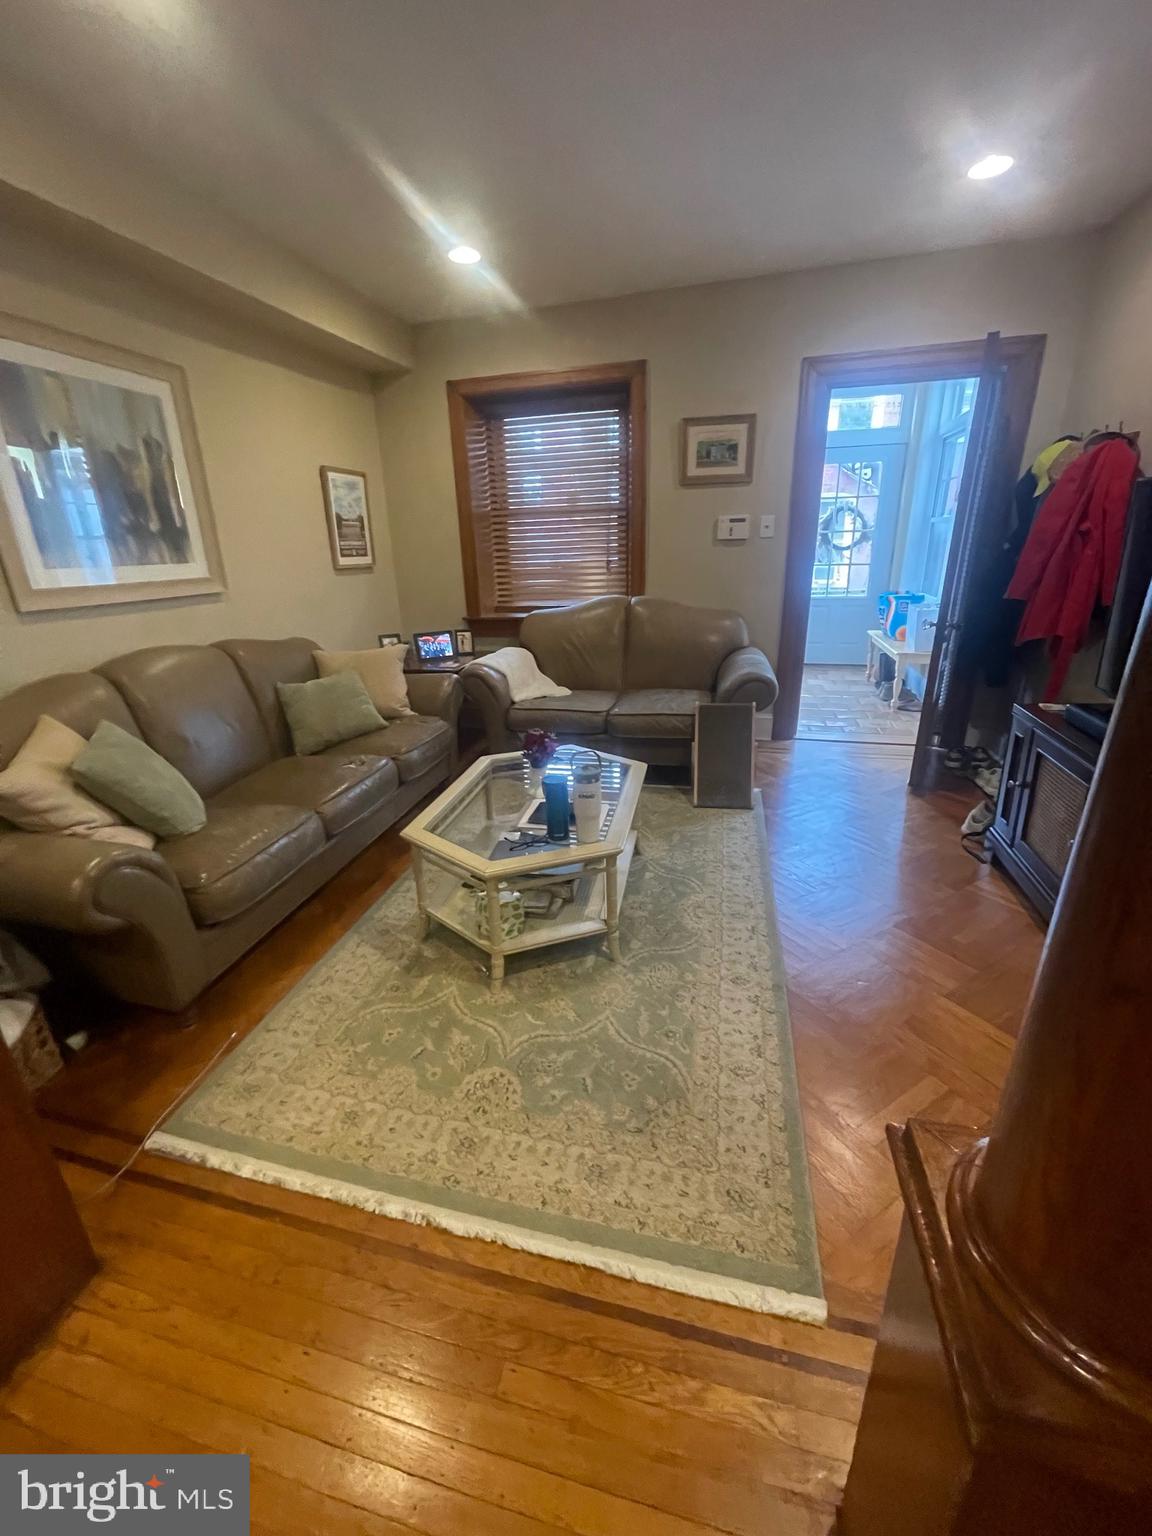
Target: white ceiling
[[596, 147]]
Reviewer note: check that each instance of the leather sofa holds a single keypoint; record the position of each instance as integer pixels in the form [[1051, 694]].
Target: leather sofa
[[156, 927], [637, 668]]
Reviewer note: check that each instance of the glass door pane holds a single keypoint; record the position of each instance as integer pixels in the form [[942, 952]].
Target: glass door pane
[[854, 410], [852, 564], [847, 526]]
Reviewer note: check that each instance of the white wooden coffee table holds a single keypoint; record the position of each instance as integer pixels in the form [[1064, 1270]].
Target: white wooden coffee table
[[460, 845]]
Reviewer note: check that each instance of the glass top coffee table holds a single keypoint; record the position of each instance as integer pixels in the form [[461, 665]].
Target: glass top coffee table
[[484, 868]]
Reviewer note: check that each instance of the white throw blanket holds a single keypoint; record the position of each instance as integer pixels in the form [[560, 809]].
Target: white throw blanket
[[525, 679]]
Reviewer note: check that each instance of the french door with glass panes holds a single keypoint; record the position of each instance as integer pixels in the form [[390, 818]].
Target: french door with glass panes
[[856, 536]]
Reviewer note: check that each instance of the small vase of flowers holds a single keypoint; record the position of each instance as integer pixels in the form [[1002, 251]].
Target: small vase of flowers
[[538, 747]]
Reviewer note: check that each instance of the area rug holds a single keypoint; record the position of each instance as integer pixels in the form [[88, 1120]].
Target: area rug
[[639, 1117]]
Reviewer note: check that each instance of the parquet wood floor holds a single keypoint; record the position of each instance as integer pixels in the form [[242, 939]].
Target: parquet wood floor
[[390, 1379]]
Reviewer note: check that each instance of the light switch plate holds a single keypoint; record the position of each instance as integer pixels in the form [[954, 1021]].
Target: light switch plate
[[768, 526]]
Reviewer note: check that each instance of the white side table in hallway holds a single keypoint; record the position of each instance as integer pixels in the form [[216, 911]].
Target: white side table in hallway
[[901, 656]]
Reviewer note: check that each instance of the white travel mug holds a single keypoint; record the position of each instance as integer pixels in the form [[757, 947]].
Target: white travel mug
[[586, 797]]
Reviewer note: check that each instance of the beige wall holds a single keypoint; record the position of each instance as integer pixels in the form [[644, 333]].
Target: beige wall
[[269, 413], [1114, 376], [721, 347], [38, 155], [268, 417]]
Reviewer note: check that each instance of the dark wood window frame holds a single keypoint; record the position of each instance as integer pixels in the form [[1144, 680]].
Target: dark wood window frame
[[470, 399]]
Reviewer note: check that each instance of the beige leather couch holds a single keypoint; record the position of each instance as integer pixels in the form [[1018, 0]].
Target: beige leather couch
[[156, 927], [637, 668]]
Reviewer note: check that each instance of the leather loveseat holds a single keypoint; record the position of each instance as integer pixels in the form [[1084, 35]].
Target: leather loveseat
[[637, 668], [156, 927]]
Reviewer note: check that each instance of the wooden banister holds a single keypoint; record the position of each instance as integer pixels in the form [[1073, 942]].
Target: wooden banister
[[1016, 1349]]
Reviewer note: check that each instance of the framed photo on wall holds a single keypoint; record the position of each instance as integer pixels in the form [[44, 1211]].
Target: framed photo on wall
[[717, 450], [349, 525], [103, 497]]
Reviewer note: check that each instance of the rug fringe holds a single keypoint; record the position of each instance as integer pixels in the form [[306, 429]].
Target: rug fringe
[[671, 1277]]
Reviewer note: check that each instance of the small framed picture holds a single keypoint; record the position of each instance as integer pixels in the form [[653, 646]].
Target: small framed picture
[[392, 639], [349, 526], [717, 450], [465, 645], [434, 645]]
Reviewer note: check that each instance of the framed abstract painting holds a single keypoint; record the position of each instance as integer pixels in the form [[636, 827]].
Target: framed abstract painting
[[103, 497], [349, 525]]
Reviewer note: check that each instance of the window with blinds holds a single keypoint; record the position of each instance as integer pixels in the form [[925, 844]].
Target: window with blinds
[[550, 488]]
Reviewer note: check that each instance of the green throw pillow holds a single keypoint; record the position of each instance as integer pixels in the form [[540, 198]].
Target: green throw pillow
[[327, 711], [123, 772]]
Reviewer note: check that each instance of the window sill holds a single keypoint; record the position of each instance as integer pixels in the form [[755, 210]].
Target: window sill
[[496, 624]]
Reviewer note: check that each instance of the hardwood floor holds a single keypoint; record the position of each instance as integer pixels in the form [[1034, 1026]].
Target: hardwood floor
[[387, 1378]]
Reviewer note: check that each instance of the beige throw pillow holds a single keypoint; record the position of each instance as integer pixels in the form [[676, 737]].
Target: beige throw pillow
[[381, 671], [37, 792]]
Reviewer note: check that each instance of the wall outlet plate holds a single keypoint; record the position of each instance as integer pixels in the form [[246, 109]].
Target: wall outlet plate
[[768, 526]]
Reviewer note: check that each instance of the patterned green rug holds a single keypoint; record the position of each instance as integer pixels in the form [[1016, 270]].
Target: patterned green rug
[[640, 1117]]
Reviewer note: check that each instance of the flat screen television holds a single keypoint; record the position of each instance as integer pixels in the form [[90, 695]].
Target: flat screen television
[[1131, 589]]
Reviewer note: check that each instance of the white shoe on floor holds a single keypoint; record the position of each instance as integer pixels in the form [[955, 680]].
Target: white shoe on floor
[[978, 819]]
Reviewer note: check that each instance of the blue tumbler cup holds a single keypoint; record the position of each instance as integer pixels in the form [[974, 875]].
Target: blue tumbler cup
[[555, 786]]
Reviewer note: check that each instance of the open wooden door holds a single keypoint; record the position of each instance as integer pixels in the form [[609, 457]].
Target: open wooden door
[[982, 507], [1012, 369]]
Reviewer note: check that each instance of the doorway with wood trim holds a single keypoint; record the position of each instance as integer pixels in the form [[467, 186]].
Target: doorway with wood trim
[[893, 461], [852, 529]]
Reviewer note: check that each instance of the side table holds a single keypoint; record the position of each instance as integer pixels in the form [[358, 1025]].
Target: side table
[[901, 656]]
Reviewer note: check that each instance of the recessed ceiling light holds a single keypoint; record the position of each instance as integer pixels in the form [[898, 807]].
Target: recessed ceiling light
[[464, 255], [991, 165]]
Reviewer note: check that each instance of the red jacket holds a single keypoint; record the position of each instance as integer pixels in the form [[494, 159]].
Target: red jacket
[[1071, 559]]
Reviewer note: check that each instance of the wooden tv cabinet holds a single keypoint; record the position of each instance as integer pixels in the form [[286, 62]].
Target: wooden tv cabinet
[[1048, 769]]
